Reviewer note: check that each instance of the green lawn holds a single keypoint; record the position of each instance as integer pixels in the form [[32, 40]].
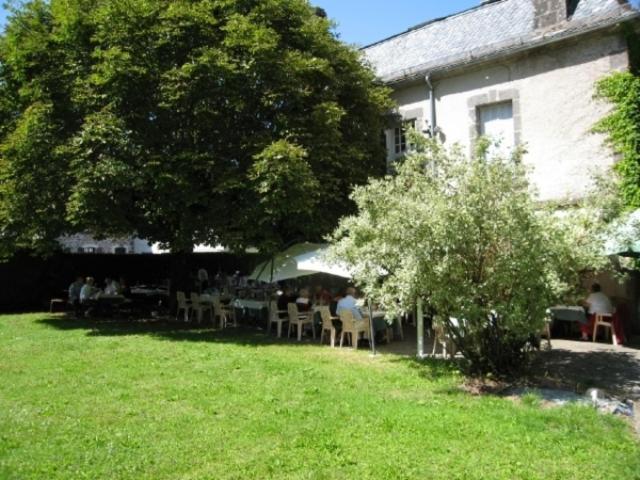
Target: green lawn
[[112, 401]]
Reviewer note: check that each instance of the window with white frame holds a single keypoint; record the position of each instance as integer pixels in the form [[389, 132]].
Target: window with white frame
[[400, 136], [495, 121]]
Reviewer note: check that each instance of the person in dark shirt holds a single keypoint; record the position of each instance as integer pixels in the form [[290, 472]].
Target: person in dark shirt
[[286, 298]]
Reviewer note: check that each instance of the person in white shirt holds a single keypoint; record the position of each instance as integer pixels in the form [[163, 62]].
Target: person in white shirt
[[88, 290], [74, 294], [597, 303], [349, 303]]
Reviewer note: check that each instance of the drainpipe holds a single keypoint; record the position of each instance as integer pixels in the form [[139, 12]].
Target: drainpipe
[[432, 97]]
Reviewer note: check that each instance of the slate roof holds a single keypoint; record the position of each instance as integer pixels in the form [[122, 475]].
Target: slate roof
[[493, 29]]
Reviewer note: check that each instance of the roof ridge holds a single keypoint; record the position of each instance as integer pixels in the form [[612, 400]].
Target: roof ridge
[[485, 4]]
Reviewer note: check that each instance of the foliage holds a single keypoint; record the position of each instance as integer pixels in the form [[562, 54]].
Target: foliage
[[622, 127], [172, 119], [465, 236], [109, 400]]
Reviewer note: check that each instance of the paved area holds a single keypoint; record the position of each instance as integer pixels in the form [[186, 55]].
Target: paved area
[[569, 364], [583, 365]]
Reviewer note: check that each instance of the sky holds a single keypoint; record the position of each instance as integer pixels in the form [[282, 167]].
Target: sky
[[362, 22]]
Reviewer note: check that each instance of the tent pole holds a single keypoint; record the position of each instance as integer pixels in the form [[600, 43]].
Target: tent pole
[[420, 328], [372, 333], [273, 259]]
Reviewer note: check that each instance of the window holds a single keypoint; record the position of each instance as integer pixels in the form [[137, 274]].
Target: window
[[120, 250], [88, 249], [496, 122], [80, 250], [400, 136]]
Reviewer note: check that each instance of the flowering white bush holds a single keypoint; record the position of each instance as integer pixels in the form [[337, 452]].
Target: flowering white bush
[[466, 236]]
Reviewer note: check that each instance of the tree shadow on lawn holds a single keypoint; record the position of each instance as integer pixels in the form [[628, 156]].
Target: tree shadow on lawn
[[182, 332], [428, 368]]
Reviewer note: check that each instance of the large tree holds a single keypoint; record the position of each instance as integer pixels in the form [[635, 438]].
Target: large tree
[[241, 122]]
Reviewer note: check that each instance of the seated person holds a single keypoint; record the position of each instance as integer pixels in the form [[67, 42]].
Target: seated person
[[88, 291], [111, 287], [285, 299], [321, 296], [74, 294], [303, 301], [349, 302], [597, 303], [123, 288]]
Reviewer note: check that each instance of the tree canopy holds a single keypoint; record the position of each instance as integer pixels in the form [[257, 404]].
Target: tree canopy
[[241, 122], [465, 236]]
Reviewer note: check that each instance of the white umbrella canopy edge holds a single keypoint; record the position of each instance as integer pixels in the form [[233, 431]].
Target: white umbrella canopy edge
[[283, 266], [318, 262]]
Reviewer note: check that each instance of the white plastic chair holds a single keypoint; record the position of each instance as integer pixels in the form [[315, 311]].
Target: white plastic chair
[[199, 307], [604, 320], [299, 320], [183, 306], [441, 338], [226, 315], [327, 325], [352, 328], [275, 316]]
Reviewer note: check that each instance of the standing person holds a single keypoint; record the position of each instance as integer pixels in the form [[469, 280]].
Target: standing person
[[74, 294], [598, 304], [203, 280]]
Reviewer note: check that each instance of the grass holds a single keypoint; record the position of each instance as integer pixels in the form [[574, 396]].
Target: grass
[[114, 401]]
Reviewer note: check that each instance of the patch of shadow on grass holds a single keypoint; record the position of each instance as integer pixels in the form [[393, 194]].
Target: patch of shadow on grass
[[173, 331], [430, 368]]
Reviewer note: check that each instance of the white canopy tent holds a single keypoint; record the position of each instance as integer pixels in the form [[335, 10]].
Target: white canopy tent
[[284, 265], [317, 262]]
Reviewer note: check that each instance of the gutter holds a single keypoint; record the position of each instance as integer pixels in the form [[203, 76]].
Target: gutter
[[522, 45], [432, 100]]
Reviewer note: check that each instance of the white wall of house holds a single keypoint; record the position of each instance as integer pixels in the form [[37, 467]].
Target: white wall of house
[[84, 243], [554, 111]]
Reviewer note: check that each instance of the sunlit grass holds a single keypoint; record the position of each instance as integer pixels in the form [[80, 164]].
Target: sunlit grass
[[104, 400]]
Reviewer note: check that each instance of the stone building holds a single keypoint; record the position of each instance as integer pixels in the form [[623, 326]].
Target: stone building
[[522, 71], [84, 243]]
